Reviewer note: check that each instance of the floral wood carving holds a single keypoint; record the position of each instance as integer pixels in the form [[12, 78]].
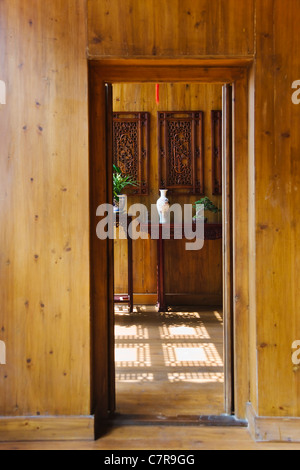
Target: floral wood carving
[[181, 151], [131, 147], [216, 130]]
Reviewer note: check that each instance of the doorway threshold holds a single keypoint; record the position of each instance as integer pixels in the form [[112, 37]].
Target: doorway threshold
[[148, 420]]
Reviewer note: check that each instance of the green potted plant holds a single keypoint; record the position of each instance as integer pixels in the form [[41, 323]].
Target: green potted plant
[[120, 182], [208, 206]]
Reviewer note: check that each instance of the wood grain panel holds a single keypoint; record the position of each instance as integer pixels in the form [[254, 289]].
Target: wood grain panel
[[189, 273], [186, 70], [44, 259], [240, 270], [101, 306], [41, 428], [44, 200], [252, 244], [277, 202], [131, 28], [273, 429], [200, 273], [159, 437]]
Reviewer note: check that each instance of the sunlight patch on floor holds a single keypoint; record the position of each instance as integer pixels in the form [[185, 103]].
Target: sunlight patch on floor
[[131, 332], [184, 332], [191, 355], [132, 355], [188, 355], [134, 378], [218, 316], [169, 363]]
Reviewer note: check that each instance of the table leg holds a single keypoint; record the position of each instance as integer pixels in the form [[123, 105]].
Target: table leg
[[161, 302], [130, 274]]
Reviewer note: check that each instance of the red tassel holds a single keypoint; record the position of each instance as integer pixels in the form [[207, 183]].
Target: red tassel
[[157, 94]]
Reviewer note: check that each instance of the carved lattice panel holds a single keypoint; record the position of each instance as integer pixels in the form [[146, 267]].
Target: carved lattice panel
[[216, 131], [131, 147], [181, 151]]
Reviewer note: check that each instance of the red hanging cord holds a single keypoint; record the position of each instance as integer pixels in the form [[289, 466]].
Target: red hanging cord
[[157, 94]]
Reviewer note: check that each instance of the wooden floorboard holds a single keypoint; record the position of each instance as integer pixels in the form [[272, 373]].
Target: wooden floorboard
[[169, 364], [148, 327], [124, 436], [191, 438]]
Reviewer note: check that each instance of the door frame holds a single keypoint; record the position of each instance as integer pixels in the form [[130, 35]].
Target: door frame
[[102, 72]]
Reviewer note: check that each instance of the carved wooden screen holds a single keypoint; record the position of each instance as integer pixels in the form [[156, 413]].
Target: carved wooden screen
[[181, 151], [131, 147], [216, 131]]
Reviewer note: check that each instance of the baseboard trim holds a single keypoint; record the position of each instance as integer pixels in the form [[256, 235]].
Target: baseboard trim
[[205, 300], [41, 428], [209, 300], [272, 429], [185, 300]]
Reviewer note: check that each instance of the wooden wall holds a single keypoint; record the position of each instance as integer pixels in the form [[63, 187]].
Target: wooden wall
[[44, 209], [197, 274], [44, 260], [267, 31], [170, 28], [277, 198]]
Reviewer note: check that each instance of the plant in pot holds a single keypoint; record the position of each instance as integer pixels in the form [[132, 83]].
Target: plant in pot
[[120, 182], [208, 206]]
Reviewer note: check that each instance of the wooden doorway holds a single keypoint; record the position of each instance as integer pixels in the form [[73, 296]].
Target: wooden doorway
[[169, 348], [102, 75]]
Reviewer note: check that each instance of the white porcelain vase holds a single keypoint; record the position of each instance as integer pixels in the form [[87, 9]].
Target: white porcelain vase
[[163, 206]]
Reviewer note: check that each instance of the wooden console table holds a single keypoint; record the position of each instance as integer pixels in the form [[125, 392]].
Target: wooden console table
[[211, 232]]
